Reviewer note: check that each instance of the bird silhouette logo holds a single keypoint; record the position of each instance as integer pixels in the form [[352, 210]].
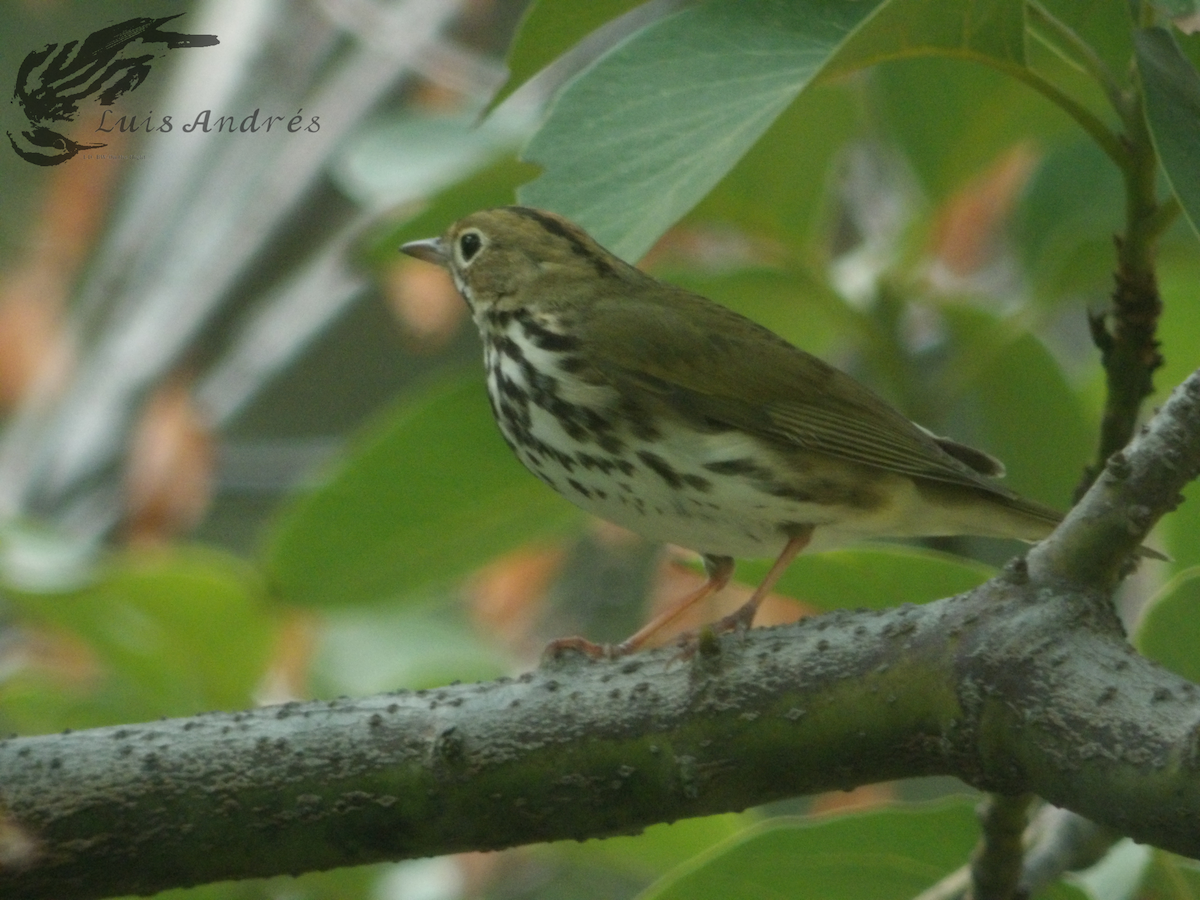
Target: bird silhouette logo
[[108, 64]]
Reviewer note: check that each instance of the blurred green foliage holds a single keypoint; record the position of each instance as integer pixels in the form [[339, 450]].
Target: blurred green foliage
[[891, 854]]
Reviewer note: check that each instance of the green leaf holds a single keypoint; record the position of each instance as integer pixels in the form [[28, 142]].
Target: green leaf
[[794, 303], [874, 577], [1072, 206], [1105, 27], [639, 137], [1179, 330], [1169, 631], [173, 633], [338, 884], [548, 29], [1013, 392], [890, 853], [430, 493], [1172, 92], [420, 645], [778, 190], [985, 30], [662, 847], [1171, 876], [1182, 529], [952, 119], [1179, 326], [393, 160]]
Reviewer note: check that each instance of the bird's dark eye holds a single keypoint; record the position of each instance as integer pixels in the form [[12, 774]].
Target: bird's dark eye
[[469, 244]]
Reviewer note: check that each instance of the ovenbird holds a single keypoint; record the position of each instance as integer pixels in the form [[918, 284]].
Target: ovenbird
[[662, 411]]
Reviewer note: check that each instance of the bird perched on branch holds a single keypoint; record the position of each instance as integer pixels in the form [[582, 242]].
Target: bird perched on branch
[[662, 411]]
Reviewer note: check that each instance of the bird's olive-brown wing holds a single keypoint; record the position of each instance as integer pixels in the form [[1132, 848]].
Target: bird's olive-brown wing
[[707, 363]]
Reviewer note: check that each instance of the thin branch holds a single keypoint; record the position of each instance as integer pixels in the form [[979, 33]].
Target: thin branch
[[1086, 57], [1126, 336], [1056, 842], [996, 863], [1084, 118], [1164, 217]]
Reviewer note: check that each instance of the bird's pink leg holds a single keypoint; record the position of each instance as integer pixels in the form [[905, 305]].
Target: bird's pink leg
[[719, 569], [744, 616]]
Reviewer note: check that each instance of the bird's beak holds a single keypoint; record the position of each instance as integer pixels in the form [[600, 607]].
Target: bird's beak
[[431, 250]]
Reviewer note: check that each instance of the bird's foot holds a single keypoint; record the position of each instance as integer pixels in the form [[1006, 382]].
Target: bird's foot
[[739, 620], [690, 642], [559, 648], [703, 641]]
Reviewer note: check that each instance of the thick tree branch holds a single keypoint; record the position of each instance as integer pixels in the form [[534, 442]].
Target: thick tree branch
[[1005, 687], [1025, 684]]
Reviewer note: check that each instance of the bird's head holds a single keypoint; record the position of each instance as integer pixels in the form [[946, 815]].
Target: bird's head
[[516, 256]]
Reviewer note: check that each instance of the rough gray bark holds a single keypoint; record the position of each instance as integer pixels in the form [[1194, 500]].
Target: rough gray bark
[[1026, 684]]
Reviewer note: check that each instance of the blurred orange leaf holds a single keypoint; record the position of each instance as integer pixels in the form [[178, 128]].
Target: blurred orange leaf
[[168, 479], [970, 222], [425, 301]]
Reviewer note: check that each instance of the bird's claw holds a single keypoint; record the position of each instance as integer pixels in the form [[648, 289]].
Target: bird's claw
[[558, 648], [703, 641], [690, 642]]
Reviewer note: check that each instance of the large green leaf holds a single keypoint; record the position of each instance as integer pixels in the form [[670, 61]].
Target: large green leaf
[[1172, 91], [1178, 273], [1181, 529], [662, 847], [1171, 876], [548, 29], [986, 30], [1104, 26], [430, 493], [891, 853], [172, 633], [873, 577], [779, 189], [952, 120], [337, 884], [367, 650], [1072, 206], [1169, 631], [1179, 330], [1011, 390], [639, 137]]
